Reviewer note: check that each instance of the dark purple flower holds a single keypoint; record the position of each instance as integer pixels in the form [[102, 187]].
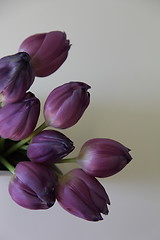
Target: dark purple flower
[[101, 157], [82, 195], [48, 51], [16, 77], [18, 120], [66, 104], [33, 185], [49, 146]]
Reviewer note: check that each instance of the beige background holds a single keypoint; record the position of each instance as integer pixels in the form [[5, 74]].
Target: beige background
[[115, 49]]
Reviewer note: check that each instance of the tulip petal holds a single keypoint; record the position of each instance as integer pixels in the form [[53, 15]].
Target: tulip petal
[[33, 185], [18, 120], [82, 195], [49, 146], [48, 51], [24, 197], [101, 157], [66, 104]]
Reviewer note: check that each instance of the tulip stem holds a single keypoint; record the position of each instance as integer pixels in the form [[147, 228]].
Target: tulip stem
[[57, 171], [24, 147], [7, 164], [67, 160], [22, 142], [2, 141]]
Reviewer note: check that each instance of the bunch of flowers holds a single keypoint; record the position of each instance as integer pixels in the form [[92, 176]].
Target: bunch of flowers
[[32, 155]]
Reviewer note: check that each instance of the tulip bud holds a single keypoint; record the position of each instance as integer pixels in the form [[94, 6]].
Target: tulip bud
[[16, 77], [48, 51], [82, 195], [66, 104], [18, 120], [102, 157], [49, 146], [33, 185]]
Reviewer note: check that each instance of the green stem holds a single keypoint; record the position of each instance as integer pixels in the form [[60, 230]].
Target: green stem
[[56, 170], [24, 147], [7, 164], [67, 160], [2, 141], [22, 142]]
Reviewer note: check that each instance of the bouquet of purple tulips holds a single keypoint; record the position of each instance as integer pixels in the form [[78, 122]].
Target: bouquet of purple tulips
[[32, 155]]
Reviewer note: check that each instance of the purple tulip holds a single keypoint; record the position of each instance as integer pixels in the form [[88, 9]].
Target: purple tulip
[[82, 195], [49, 146], [18, 120], [101, 157], [66, 104], [16, 77], [33, 185], [48, 51]]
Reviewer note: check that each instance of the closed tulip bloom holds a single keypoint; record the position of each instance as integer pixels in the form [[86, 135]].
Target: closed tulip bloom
[[33, 185], [18, 120], [82, 195], [66, 104], [101, 157], [48, 51], [16, 77], [49, 146]]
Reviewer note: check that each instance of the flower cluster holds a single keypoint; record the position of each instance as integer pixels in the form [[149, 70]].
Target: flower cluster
[[32, 155]]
